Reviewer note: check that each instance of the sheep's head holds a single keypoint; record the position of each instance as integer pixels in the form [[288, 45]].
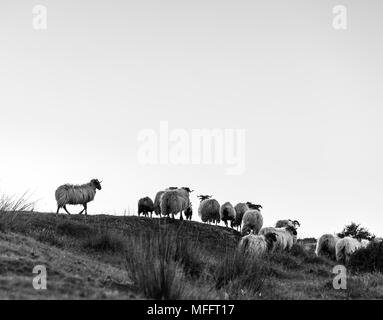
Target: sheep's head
[[204, 197], [292, 230], [96, 183], [295, 223], [254, 206], [172, 188], [187, 189]]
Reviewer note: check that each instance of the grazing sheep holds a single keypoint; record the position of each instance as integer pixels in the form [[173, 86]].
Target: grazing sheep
[[175, 201], [227, 213], [345, 247], [189, 212], [208, 209], [326, 246], [288, 222], [76, 194], [145, 206], [240, 209], [257, 245], [285, 237], [252, 222]]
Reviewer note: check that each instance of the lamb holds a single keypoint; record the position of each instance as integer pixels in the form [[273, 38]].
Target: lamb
[[285, 237], [326, 246], [252, 221], [257, 245], [189, 212], [175, 201], [208, 209], [145, 206], [227, 213], [240, 209], [345, 247], [76, 194]]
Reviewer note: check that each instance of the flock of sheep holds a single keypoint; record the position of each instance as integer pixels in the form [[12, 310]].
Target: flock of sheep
[[256, 239]]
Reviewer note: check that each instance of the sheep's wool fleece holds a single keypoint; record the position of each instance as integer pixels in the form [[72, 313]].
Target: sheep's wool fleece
[[345, 247], [174, 201], [75, 194], [227, 212], [326, 245], [254, 245], [252, 220], [208, 210], [240, 209], [285, 239]]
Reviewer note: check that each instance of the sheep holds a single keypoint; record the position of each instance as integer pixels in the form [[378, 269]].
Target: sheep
[[145, 206], [226, 213], [240, 209], [288, 222], [257, 245], [76, 194], [364, 243], [189, 212], [326, 246], [208, 209], [345, 247], [157, 200], [252, 221], [285, 237], [174, 201]]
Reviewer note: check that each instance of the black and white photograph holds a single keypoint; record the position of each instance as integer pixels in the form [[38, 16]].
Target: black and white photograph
[[200, 151]]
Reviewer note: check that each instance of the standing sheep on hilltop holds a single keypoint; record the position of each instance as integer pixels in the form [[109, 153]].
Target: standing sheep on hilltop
[[252, 221], [240, 209], [175, 201], [288, 222], [76, 194], [157, 200], [208, 209], [227, 213], [145, 206]]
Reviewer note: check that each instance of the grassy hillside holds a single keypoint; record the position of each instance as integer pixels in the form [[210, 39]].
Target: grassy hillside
[[109, 257]]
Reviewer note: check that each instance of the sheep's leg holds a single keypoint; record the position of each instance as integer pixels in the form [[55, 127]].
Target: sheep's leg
[[181, 217], [86, 208], [58, 209], [66, 210], [82, 210]]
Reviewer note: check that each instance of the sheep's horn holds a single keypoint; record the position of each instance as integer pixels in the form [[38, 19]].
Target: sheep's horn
[[296, 222]]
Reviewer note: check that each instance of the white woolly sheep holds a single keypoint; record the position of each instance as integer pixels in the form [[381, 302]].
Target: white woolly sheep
[[175, 201], [288, 222], [364, 243], [145, 206], [208, 209], [257, 245], [157, 200], [252, 221], [345, 247], [76, 194], [285, 237], [240, 209], [227, 213], [326, 246]]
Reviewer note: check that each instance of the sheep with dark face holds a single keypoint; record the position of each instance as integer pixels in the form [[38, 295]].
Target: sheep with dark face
[[257, 245], [175, 201], [288, 222], [145, 206], [285, 237], [227, 213], [326, 246], [208, 209], [76, 195], [240, 209], [252, 221]]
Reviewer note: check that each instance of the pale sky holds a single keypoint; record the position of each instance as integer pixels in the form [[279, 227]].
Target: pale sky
[[74, 98]]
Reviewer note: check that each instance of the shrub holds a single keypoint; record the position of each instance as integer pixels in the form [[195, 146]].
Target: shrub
[[73, 229], [155, 265], [355, 231], [104, 241], [368, 259], [239, 273]]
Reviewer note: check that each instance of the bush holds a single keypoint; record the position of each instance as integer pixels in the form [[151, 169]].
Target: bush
[[239, 273], [104, 241], [368, 259], [74, 229], [158, 263], [355, 231]]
